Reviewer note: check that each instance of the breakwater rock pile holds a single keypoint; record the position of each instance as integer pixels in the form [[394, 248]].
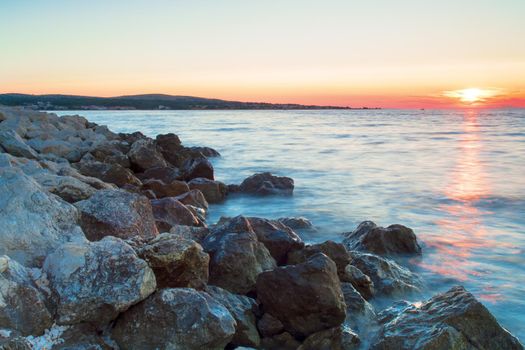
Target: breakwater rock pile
[[104, 244]]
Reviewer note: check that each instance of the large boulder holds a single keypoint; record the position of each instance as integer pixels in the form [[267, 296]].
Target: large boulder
[[171, 148], [452, 320], [95, 281], [15, 145], [22, 306], [112, 173], [306, 298], [395, 239], [169, 212], [144, 155], [335, 251], [264, 184], [197, 168], [214, 191], [236, 259], [243, 310], [389, 278], [180, 318], [176, 261], [34, 222], [117, 213], [162, 189]]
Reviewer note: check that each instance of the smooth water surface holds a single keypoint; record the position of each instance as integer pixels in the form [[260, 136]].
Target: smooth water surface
[[456, 177]]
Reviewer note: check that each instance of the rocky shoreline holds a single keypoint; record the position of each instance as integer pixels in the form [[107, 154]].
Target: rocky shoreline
[[104, 244]]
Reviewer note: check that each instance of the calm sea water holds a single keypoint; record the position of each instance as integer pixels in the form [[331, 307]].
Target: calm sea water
[[456, 177]]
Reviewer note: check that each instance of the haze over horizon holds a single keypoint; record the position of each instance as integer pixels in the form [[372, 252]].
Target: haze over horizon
[[403, 54]]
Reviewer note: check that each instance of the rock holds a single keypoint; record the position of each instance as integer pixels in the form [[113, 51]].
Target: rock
[[67, 170], [171, 148], [194, 168], [306, 297], [15, 145], [195, 198], [112, 153], [165, 174], [205, 151], [144, 155], [116, 213], [63, 149], [22, 306], [112, 173], [199, 213], [297, 223], [176, 261], [34, 222], [243, 310], [389, 278], [191, 232], [263, 184], [335, 251], [95, 281], [395, 239], [180, 318], [283, 341], [236, 259], [269, 326], [169, 212], [73, 337], [214, 191], [68, 188], [337, 338], [360, 314], [359, 280], [452, 320], [161, 189]]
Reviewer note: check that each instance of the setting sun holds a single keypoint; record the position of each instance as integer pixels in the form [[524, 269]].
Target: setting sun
[[472, 95]]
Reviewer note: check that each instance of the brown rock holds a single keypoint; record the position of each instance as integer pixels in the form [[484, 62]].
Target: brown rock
[[193, 197], [144, 155], [112, 173], [214, 191], [161, 189], [264, 184], [335, 251], [169, 212]]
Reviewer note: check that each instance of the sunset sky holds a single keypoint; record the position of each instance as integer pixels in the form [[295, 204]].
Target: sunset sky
[[382, 53]]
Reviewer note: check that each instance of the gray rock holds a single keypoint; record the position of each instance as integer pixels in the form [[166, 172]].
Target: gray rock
[[63, 149], [15, 145], [213, 191], [264, 184], [180, 318], [34, 222], [68, 188], [117, 213], [93, 282], [360, 315], [144, 155]]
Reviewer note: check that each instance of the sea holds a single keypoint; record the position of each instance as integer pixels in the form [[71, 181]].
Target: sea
[[456, 177]]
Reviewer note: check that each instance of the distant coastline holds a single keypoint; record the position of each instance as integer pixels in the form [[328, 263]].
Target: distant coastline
[[146, 102]]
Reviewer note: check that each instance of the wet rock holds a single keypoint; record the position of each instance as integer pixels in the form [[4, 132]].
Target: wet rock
[[193, 197], [112, 173], [15, 145], [169, 212], [161, 189], [166, 174], [269, 326], [243, 310], [116, 213], [34, 222], [359, 280], [144, 155], [194, 168], [191, 232], [360, 314], [236, 259], [199, 213], [337, 338], [283, 341], [95, 281], [22, 306], [395, 239], [267, 184], [306, 298], [452, 320], [335, 251], [297, 223], [213, 191], [176, 261], [389, 278], [180, 318]]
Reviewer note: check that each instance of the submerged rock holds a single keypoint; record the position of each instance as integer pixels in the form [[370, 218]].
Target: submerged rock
[[180, 318], [395, 239], [213, 191], [306, 297], [264, 184], [95, 281], [452, 320]]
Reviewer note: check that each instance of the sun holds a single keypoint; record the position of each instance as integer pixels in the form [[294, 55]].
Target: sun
[[472, 96]]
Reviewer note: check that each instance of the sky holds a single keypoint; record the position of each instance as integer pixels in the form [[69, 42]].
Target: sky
[[376, 53]]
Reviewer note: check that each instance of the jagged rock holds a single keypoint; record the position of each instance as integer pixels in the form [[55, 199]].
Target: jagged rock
[[194, 168], [176, 261], [171, 148], [34, 222], [111, 152], [144, 155], [191, 232], [95, 281], [166, 174], [269, 326], [68, 188], [112, 173], [452, 320], [169, 212], [263, 184], [359, 280], [67, 150], [283, 341], [162, 189], [22, 306], [395, 239], [180, 318], [335, 251], [337, 338], [15, 145], [195, 198], [296, 223], [131, 138], [236, 259], [116, 213], [214, 191], [360, 314], [306, 297], [243, 310], [389, 278]]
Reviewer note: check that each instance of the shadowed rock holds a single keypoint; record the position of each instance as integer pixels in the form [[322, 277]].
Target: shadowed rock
[[144, 155], [337, 338], [359, 280], [264, 184], [335, 251], [112, 173], [193, 197], [214, 191], [197, 168], [169, 212], [162, 189]]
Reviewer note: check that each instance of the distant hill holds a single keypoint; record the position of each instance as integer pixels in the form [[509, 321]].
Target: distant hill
[[144, 102]]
